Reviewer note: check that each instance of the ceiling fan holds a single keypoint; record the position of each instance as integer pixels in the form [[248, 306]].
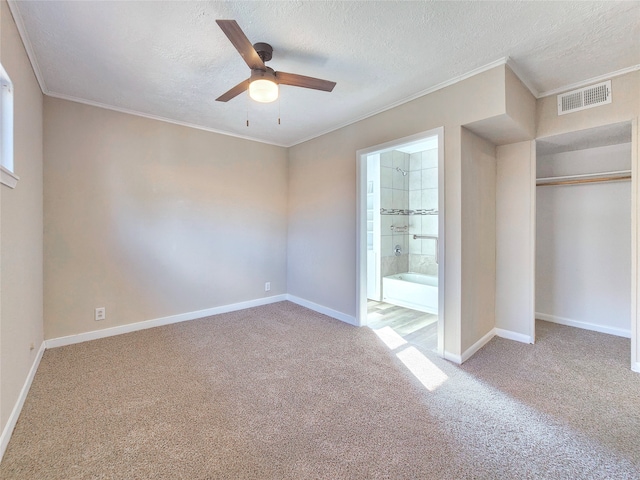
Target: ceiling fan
[[263, 82]]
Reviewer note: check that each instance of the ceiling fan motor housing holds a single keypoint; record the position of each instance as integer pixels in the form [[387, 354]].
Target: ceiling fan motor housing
[[264, 51]]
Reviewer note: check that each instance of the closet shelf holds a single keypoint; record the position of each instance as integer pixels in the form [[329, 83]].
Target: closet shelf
[[585, 178]]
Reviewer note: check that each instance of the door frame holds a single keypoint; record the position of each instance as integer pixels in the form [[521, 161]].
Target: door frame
[[635, 236], [361, 225]]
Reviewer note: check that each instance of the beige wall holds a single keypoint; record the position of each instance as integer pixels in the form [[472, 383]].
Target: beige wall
[[20, 226], [322, 202], [151, 219], [478, 238], [515, 238], [625, 105], [516, 122], [127, 198], [521, 107]]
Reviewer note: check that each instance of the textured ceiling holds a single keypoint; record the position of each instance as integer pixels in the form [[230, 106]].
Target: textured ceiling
[[170, 60]]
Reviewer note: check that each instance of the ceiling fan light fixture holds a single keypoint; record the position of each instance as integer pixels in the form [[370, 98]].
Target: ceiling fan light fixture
[[263, 90], [264, 81]]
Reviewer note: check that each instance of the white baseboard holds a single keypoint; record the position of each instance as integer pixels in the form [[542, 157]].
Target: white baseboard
[[619, 332], [635, 367], [158, 322], [518, 337], [469, 352], [457, 359], [343, 317], [17, 408]]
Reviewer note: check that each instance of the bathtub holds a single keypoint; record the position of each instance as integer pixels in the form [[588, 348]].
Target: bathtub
[[411, 290]]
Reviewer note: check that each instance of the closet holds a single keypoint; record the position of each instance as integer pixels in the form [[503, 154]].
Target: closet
[[583, 229]]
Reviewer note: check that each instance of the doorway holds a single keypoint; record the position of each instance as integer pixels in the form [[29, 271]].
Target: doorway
[[400, 270]]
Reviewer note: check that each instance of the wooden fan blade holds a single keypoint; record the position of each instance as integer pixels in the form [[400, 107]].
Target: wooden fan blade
[[234, 92], [239, 40], [305, 82]]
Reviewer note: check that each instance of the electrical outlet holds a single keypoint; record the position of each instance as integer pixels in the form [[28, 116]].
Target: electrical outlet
[[267, 286], [101, 314], [32, 346]]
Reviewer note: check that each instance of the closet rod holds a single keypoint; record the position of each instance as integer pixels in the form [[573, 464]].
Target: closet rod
[[586, 178]]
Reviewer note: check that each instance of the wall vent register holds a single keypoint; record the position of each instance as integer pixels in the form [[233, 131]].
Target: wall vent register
[[583, 98]]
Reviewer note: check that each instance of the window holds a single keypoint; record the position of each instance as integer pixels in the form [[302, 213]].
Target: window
[[9, 178]]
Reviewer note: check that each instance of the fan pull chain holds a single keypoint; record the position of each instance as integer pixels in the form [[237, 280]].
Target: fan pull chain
[[246, 98], [279, 109]]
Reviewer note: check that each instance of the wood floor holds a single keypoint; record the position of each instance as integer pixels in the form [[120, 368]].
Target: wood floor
[[418, 328]]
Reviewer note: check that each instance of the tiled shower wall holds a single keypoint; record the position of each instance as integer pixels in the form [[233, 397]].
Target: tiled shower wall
[[423, 195], [418, 190], [394, 194]]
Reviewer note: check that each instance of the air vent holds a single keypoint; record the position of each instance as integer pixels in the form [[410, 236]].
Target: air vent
[[584, 98]]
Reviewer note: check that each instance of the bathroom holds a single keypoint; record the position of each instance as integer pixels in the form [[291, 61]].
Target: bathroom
[[402, 239]]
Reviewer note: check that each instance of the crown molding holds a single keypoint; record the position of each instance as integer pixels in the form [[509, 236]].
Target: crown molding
[[19, 21], [585, 83], [26, 41], [435, 88], [158, 118], [440, 86]]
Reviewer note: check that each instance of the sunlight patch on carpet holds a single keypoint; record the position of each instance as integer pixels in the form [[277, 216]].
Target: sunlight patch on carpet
[[422, 368]]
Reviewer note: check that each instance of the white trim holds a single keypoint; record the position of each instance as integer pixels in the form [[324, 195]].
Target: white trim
[[160, 119], [183, 317], [17, 408], [503, 61], [8, 178], [392, 144], [469, 352], [7, 120], [442, 241], [361, 236], [473, 349], [435, 88], [457, 359], [619, 332], [533, 205], [26, 41], [585, 83], [343, 317], [510, 335], [361, 246], [635, 322]]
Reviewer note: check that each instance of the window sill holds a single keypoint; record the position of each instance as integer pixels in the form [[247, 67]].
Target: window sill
[[8, 178]]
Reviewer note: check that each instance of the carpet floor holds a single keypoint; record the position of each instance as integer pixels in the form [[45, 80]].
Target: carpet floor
[[282, 392]]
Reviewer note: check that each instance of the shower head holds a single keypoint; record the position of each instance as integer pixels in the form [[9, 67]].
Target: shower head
[[404, 174]]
